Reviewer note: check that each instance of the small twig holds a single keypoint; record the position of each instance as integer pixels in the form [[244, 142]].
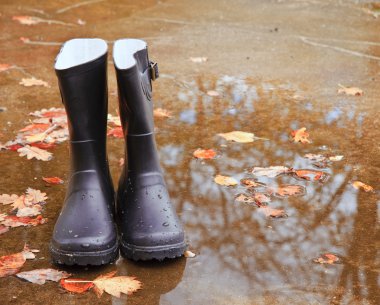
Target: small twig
[[62, 10]]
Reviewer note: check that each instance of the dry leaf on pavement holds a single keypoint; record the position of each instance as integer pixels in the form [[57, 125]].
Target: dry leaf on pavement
[[40, 276], [301, 135], [35, 196], [29, 82], [360, 185], [271, 171], [204, 153], [53, 180], [225, 180], [34, 152], [350, 90]]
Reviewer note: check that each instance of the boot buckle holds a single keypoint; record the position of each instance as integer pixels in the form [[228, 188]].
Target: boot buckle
[[153, 67]]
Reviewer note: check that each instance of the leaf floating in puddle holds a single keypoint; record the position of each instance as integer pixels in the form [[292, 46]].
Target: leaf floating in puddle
[[257, 198], [289, 190], [271, 171], [350, 91], [327, 258], [212, 93], [225, 180], [251, 182], [28, 82], [189, 254], [161, 113], [270, 212], [301, 135], [204, 153], [76, 285], [40, 276], [53, 180], [244, 198], [311, 175], [240, 136], [360, 185], [198, 59]]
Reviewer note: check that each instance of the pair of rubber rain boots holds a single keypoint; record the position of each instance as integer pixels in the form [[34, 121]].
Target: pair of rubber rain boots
[[86, 230]]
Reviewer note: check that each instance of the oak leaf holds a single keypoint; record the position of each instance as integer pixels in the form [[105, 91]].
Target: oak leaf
[[204, 153], [29, 82], [271, 171], [225, 180], [360, 185], [301, 135], [354, 91], [34, 152], [35, 196], [29, 211], [40, 276], [53, 180]]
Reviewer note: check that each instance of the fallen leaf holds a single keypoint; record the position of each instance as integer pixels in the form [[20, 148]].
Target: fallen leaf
[[350, 90], [300, 135], [11, 264], [198, 59], [116, 132], [327, 258], [8, 199], [336, 158], [3, 229], [5, 67], [360, 185], [116, 285], [76, 285], [258, 198], [287, 190], [29, 211], [34, 152], [270, 212], [40, 276], [212, 93], [114, 120], [315, 157], [311, 175], [35, 128], [14, 221], [49, 113], [251, 182], [244, 198], [20, 203], [161, 113], [271, 171], [224, 180], [240, 136], [204, 153], [43, 145], [53, 180], [31, 20], [35, 196], [28, 82], [189, 254], [39, 137]]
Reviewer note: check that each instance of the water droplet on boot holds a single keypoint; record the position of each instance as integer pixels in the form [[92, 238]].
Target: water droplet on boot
[[165, 224], [70, 231]]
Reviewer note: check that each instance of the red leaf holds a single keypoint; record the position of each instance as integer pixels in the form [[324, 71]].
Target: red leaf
[[204, 153], [54, 113], [76, 285], [52, 180], [14, 147], [117, 132]]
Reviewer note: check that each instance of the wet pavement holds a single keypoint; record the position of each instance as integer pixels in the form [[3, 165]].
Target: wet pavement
[[277, 66]]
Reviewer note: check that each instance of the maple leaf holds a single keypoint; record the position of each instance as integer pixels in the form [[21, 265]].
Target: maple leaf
[[117, 132], [5, 67], [116, 285], [251, 182], [311, 175], [40, 276], [212, 93], [271, 171], [76, 285], [327, 258], [270, 212], [225, 180], [161, 113], [8, 199], [11, 264], [189, 254], [14, 221], [204, 153], [287, 190], [360, 185], [240, 136], [29, 82], [34, 152], [350, 91], [53, 180], [198, 59], [300, 135], [35, 196]]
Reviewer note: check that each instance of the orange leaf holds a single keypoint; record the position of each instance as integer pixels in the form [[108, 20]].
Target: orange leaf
[[76, 285], [53, 180], [251, 182], [301, 135], [117, 132], [14, 221], [360, 185], [225, 180], [11, 264], [43, 145], [204, 153], [310, 174], [35, 127]]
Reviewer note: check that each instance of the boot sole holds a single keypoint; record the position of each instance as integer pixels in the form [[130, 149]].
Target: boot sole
[[95, 258], [138, 253]]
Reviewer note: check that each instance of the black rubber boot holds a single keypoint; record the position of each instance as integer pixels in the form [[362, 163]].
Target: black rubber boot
[[149, 226], [85, 232]]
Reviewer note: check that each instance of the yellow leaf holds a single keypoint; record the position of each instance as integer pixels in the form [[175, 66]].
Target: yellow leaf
[[116, 285], [224, 180], [239, 136]]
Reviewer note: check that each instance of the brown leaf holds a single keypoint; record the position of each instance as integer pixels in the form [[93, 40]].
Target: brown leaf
[[8, 199], [204, 153], [34, 152], [161, 113], [251, 182], [76, 285], [40, 276], [29, 82], [350, 91], [116, 285], [116, 132], [239, 136], [287, 190], [360, 185], [311, 175], [270, 212], [301, 135], [327, 258], [11, 264], [53, 180], [271, 171], [225, 180]]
